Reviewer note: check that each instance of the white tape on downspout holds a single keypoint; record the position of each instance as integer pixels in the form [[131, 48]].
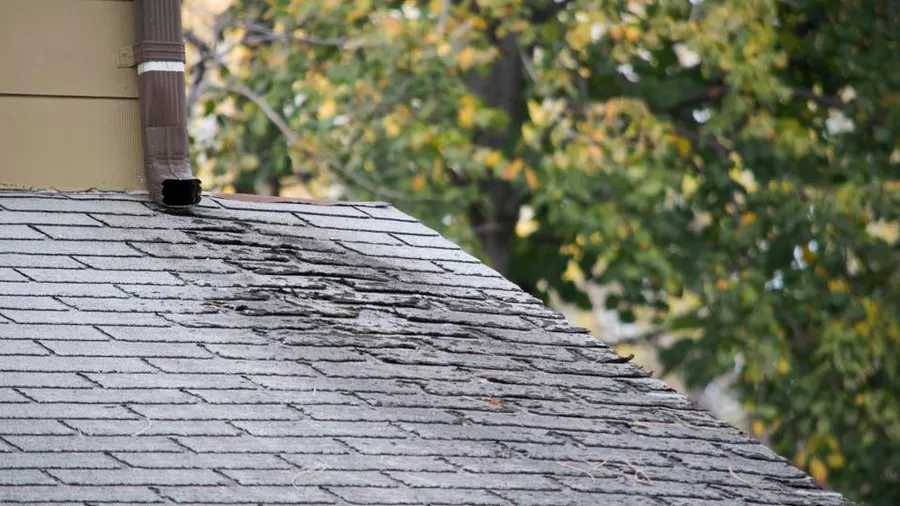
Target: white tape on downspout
[[160, 66]]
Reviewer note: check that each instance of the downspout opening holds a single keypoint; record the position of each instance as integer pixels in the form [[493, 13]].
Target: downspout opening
[[180, 192]]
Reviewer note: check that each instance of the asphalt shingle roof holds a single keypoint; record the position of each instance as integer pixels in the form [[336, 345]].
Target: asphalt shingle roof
[[255, 353]]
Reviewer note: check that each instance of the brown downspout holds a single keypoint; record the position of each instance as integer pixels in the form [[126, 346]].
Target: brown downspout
[[159, 55]]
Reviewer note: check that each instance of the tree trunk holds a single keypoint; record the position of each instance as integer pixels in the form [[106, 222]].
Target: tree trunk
[[502, 89]]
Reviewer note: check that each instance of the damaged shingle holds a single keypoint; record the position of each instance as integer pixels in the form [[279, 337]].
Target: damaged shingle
[[249, 352]]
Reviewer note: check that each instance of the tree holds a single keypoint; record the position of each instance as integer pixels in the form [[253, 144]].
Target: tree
[[727, 169]]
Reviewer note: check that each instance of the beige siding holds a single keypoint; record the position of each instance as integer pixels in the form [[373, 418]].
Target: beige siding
[[65, 47], [68, 114], [70, 143]]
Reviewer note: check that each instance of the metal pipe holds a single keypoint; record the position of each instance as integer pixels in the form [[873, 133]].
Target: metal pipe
[[159, 55]]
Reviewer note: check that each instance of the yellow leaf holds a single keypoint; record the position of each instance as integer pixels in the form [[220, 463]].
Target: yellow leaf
[[519, 26], [748, 219], [525, 228], [418, 182], [689, 185], [723, 284], [836, 460], [784, 367], [860, 399], [809, 256], [683, 145], [328, 108], [757, 427], [492, 159], [744, 178], [465, 58], [838, 286], [391, 128], [466, 115], [579, 37], [818, 470], [537, 113], [886, 231], [478, 23], [362, 9], [531, 178], [632, 33], [444, 49], [800, 458], [437, 169], [573, 273]]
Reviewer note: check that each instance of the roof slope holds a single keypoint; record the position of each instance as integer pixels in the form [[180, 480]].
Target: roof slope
[[300, 353]]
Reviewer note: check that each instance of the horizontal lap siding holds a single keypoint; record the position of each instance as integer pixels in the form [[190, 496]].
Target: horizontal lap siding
[[66, 48], [69, 117]]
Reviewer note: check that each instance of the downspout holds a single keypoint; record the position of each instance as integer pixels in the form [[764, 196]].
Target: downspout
[[159, 56]]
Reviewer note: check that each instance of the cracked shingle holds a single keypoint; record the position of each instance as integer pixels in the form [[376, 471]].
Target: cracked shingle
[[247, 352]]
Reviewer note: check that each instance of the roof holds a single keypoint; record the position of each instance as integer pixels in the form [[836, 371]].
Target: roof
[[252, 352]]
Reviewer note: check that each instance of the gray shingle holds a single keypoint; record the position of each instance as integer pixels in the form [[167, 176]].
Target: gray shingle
[[65, 205], [153, 428], [74, 364], [318, 428], [41, 379], [48, 247], [140, 477], [162, 380], [338, 209], [356, 462], [31, 303], [10, 427], [224, 366], [120, 349], [67, 332], [385, 496], [24, 477], [386, 213], [469, 480], [280, 353], [270, 413], [10, 396], [109, 396], [310, 477], [150, 460], [45, 218], [93, 290], [243, 495], [7, 274], [80, 494], [56, 460], [155, 264], [18, 232], [82, 317], [397, 251], [51, 261], [93, 443], [252, 444], [368, 225], [76, 233], [95, 276]]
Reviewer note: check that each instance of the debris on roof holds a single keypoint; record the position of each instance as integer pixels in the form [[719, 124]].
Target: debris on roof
[[254, 352]]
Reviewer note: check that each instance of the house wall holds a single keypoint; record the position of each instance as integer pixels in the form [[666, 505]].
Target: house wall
[[69, 116]]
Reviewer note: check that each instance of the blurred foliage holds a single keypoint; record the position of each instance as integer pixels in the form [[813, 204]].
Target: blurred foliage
[[730, 168]]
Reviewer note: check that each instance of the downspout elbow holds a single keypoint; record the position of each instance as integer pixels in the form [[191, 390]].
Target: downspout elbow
[[159, 53]]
